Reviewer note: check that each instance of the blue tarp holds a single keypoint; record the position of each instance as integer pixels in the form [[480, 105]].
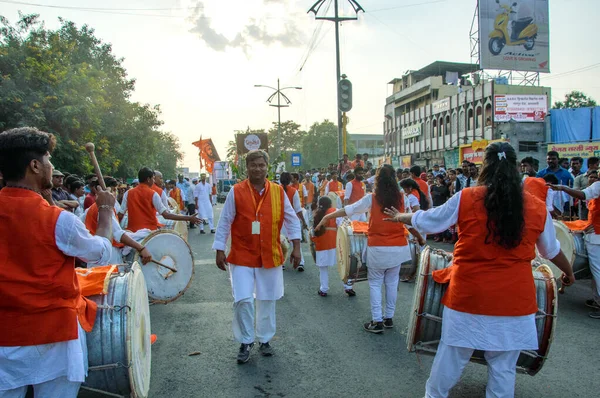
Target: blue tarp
[[573, 125], [596, 123]]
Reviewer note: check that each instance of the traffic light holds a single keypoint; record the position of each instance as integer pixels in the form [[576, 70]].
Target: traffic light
[[345, 95]]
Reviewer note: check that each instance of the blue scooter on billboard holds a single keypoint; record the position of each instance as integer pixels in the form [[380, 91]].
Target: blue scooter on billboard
[[523, 31]]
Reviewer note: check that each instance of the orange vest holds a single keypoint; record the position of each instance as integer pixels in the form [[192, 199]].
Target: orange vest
[[142, 213], [328, 240], [91, 222], [290, 191], [594, 213], [358, 191], [310, 192], [383, 233], [487, 279], [176, 194], [41, 301], [252, 250], [537, 187], [335, 185], [423, 187], [354, 163], [322, 187], [157, 189], [300, 190]]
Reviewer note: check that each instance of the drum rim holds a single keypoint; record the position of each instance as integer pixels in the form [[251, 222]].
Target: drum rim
[[139, 388], [137, 258], [559, 225], [343, 260]]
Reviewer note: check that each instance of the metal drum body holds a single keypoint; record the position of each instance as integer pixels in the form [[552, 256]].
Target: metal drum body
[[352, 256], [169, 248], [119, 354], [336, 201], [573, 245], [425, 322]]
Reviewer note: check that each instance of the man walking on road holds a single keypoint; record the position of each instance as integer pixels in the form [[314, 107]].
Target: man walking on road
[[253, 214], [202, 195]]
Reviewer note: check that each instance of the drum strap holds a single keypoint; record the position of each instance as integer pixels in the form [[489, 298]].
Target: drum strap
[[330, 229]]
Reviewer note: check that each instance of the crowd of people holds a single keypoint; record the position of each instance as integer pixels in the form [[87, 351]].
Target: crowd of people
[[496, 212]]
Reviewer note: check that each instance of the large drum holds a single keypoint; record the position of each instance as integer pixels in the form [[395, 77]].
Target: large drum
[[336, 201], [352, 255], [181, 227], [425, 323], [119, 354], [573, 246], [170, 249]]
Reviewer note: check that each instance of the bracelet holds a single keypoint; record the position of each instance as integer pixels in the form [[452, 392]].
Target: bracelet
[[143, 247], [105, 207]]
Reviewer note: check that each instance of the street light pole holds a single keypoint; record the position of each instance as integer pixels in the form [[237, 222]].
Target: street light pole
[[279, 94]]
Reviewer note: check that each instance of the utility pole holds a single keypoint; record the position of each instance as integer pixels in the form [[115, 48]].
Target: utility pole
[[279, 94], [337, 19]]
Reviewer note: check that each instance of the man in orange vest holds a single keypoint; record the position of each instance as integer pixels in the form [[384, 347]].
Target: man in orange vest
[[355, 191], [143, 203], [357, 162], [44, 316], [415, 173], [302, 194], [309, 187], [176, 194], [333, 185], [253, 214]]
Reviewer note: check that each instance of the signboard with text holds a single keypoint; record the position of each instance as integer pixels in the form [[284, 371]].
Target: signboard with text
[[583, 149], [296, 159], [411, 131], [441, 106], [250, 142], [520, 108]]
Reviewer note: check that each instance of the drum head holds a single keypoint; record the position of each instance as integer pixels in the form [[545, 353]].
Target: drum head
[[181, 228], [565, 238], [169, 248], [173, 205], [138, 334], [343, 251]]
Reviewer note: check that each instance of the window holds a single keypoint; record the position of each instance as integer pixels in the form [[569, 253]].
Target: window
[[528, 146]]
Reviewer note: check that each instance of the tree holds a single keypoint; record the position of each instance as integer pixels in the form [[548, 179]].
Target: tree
[[319, 145], [287, 142], [575, 99], [67, 82]]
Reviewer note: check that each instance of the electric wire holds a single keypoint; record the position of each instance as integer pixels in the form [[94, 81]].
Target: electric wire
[[573, 72]]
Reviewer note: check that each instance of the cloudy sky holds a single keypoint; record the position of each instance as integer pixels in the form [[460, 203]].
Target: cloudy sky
[[200, 60]]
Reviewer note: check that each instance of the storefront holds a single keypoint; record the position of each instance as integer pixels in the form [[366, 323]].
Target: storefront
[[475, 152]]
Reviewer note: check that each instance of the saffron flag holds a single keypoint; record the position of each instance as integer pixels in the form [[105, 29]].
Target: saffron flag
[[208, 153]]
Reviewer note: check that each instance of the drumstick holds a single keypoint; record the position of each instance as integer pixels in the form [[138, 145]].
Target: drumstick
[[163, 265], [90, 147]]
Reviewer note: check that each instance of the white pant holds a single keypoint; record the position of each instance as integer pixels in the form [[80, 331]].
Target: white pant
[[59, 387], [244, 320], [210, 224], [594, 260], [324, 278], [450, 361], [377, 278]]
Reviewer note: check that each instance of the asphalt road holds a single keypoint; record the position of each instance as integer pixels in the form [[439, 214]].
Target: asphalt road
[[322, 351]]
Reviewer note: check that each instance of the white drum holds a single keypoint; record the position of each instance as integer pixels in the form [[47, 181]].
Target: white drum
[[119, 354], [170, 249], [573, 246]]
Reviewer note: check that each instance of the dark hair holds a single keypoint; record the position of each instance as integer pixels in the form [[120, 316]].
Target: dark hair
[[504, 197], [577, 159], [323, 205], [563, 160], [415, 170], [358, 169], [350, 176], [110, 182], [552, 153], [285, 179], [18, 147], [257, 154], [144, 174], [441, 177], [75, 185], [528, 160], [593, 161], [295, 176], [386, 191], [409, 184], [551, 178], [459, 170]]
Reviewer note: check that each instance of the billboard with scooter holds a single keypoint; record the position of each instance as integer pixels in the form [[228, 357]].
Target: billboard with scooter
[[514, 35]]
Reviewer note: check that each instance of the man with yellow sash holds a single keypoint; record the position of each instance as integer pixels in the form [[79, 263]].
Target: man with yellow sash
[[253, 214]]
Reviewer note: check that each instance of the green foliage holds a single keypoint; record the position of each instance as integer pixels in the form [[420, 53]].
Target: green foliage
[[319, 145], [575, 99], [67, 82]]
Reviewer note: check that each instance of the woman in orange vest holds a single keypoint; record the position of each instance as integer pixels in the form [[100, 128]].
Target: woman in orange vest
[[417, 199], [387, 246], [325, 243], [490, 303]]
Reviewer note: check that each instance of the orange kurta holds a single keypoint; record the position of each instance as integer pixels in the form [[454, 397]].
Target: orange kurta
[[322, 187], [310, 192], [327, 241], [91, 222], [487, 279], [383, 233], [257, 250], [142, 213], [176, 195], [41, 300]]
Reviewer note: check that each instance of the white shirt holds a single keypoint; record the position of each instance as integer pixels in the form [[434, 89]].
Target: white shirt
[[202, 192], [66, 358], [592, 192], [296, 202], [184, 187], [290, 220], [379, 257], [163, 199], [156, 202], [485, 332]]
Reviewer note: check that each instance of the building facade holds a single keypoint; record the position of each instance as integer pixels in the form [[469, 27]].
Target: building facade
[[437, 116]]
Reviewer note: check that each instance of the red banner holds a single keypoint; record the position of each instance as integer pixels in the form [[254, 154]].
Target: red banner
[[208, 153]]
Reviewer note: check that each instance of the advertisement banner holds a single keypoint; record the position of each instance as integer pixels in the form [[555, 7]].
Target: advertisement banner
[[250, 142], [451, 159], [406, 161], [514, 36], [521, 108], [411, 131], [583, 149], [475, 152]]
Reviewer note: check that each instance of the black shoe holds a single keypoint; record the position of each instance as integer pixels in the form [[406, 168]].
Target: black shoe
[[244, 354], [388, 323], [322, 294], [212, 231], [265, 349], [592, 304], [192, 227], [202, 232], [350, 292], [301, 268], [374, 327]]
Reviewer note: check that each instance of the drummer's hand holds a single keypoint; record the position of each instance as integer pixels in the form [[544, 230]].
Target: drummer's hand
[[555, 187], [194, 219], [392, 213], [567, 280], [146, 256], [422, 241], [221, 260], [296, 257], [104, 198]]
